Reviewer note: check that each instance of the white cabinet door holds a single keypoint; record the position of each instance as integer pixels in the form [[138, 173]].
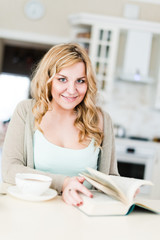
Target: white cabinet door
[[103, 52], [101, 44]]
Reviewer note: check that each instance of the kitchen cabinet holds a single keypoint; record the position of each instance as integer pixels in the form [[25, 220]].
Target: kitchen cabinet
[[100, 35], [100, 41]]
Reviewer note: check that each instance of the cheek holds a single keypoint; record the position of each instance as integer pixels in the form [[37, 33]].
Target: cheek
[[56, 89], [83, 89]]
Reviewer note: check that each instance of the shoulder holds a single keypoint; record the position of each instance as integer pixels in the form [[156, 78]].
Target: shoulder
[[24, 107], [25, 104], [104, 119], [107, 117]]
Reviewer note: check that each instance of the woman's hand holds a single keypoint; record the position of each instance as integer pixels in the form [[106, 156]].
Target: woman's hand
[[71, 187]]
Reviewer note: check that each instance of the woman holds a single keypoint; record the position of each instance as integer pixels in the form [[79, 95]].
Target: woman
[[60, 131]]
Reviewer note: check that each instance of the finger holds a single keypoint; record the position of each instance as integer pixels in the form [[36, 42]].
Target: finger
[[67, 197], [81, 179], [76, 197], [81, 188]]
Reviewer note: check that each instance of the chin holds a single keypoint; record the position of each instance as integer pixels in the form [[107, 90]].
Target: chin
[[70, 105]]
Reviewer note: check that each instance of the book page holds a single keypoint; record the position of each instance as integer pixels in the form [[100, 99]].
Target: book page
[[109, 191], [101, 205], [150, 204], [129, 186], [123, 186], [101, 178]]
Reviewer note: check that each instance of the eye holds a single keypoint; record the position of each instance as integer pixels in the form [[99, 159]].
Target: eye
[[80, 81], [62, 79]]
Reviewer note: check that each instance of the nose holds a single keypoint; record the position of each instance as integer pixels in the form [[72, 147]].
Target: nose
[[71, 88]]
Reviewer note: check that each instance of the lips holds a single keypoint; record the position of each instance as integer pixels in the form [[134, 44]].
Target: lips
[[69, 99]]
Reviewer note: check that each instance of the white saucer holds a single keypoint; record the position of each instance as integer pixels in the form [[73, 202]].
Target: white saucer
[[15, 192]]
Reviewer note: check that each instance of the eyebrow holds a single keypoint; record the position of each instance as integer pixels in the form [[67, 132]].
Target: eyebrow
[[67, 77]]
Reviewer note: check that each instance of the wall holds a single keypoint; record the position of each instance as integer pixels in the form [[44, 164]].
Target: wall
[[129, 104], [132, 106], [55, 20]]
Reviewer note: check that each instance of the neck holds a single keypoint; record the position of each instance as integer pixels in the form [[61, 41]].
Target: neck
[[61, 112]]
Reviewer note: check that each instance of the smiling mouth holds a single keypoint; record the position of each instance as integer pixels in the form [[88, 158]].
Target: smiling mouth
[[69, 99]]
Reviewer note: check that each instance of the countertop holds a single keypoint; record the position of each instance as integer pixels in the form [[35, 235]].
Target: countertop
[[54, 219]]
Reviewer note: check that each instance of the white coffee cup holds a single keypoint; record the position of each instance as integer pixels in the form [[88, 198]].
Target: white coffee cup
[[32, 184]]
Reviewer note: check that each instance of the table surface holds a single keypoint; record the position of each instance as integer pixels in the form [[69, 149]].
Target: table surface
[[54, 219]]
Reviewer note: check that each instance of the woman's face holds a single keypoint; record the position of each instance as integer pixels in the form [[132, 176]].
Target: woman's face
[[69, 86]]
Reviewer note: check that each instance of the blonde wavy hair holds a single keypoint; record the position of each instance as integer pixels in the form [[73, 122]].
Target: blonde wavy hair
[[87, 113]]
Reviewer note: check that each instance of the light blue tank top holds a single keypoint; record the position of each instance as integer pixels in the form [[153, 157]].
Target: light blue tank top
[[51, 158]]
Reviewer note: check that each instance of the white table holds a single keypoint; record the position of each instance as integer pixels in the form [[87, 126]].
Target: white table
[[55, 220]]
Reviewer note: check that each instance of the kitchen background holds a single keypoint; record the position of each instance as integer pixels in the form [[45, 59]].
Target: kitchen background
[[133, 101]]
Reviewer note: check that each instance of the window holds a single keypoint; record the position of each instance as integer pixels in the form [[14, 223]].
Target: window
[[13, 89]]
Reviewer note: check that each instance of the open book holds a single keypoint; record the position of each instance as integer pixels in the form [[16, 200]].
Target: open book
[[114, 195]]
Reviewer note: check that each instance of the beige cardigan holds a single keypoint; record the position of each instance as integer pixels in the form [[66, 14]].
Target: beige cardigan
[[17, 154]]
